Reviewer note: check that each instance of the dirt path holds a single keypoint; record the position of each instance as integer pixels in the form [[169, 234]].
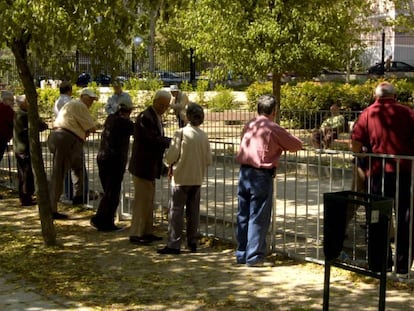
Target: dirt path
[[104, 271]]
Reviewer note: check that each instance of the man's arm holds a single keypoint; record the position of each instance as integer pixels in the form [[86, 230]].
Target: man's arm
[[356, 146]]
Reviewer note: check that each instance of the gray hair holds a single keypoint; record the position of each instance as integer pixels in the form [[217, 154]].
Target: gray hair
[[7, 95], [266, 104], [385, 89], [162, 94], [195, 114]]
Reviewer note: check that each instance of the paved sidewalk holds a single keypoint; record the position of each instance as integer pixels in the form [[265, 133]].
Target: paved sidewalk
[[15, 296]]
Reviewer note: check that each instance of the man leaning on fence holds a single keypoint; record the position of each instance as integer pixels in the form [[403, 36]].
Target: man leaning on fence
[[262, 143], [71, 127], [387, 127]]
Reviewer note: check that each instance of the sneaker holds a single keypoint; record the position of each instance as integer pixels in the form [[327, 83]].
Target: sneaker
[[168, 251], [61, 216]]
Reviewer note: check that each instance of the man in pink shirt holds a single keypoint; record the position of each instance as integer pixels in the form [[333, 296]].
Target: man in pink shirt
[[262, 143]]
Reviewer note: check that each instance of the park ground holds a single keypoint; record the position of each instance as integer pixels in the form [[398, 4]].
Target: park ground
[[103, 271]]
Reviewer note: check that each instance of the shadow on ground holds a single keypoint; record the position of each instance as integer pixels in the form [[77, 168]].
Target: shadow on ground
[[106, 272]]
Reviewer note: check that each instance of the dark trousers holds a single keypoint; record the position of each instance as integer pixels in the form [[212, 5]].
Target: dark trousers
[[111, 173], [26, 179], [403, 265], [188, 196], [3, 147]]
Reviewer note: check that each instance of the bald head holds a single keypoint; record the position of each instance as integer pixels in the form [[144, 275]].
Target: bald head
[[385, 90]]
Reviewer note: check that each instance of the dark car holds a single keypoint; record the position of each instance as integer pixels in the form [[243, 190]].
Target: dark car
[[168, 77], [395, 66], [101, 79]]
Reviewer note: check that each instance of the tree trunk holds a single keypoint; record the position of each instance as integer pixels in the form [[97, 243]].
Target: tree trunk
[[19, 49], [276, 83]]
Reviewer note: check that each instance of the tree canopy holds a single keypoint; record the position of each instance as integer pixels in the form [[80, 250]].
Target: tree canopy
[[47, 29], [257, 37]]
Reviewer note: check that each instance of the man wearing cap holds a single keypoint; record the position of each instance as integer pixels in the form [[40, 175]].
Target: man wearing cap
[[146, 166], [71, 127], [21, 149], [111, 105], [112, 158], [6, 120], [178, 103]]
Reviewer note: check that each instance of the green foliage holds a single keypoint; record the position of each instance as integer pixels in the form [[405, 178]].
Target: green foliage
[[223, 100], [202, 87], [186, 86], [255, 90], [146, 83], [46, 98]]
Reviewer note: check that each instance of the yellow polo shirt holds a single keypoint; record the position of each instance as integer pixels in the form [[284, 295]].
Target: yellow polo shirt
[[75, 117]]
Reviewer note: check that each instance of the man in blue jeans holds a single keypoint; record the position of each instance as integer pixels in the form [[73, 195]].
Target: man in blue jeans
[[262, 143]]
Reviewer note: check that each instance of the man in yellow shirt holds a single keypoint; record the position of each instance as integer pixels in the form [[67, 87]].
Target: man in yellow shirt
[[70, 129]]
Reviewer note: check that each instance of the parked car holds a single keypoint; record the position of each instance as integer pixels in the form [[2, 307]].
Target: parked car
[[85, 78], [169, 77], [395, 67]]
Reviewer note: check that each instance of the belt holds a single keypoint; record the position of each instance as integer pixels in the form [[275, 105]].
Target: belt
[[67, 131], [271, 171]]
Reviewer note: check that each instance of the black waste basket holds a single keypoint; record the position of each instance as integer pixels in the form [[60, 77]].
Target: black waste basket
[[378, 211]]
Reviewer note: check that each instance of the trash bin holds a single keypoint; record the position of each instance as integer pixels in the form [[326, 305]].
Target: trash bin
[[378, 211]]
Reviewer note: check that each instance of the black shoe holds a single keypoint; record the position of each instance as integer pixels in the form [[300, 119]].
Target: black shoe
[[112, 228], [57, 215], [168, 250], [78, 200], [139, 240], [192, 247], [152, 237], [29, 203]]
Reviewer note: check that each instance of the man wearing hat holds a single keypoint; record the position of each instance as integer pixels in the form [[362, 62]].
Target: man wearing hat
[[71, 127], [112, 158], [178, 103], [21, 149], [111, 105]]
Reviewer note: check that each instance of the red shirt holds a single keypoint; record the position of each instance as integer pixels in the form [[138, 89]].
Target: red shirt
[[6, 122], [263, 141], [386, 127]]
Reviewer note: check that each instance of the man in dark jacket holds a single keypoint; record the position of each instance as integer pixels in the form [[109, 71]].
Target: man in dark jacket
[[22, 151], [146, 165], [6, 121], [112, 158]]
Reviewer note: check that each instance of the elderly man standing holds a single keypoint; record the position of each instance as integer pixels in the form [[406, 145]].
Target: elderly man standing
[[146, 165], [262, 143], [119, 95], [178, 104], [71, 127], [387, 127], [6, 120]]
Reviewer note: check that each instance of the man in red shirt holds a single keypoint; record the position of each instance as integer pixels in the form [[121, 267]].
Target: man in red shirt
[[6, 120], [387, 127], [263, 141]]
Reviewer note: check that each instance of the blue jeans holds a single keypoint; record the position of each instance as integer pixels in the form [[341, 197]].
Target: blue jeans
[[255, 196]]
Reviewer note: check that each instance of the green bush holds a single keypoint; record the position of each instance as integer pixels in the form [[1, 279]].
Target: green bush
[[45, 100], [255, 90], [201, 89], [224, 100], [147, 83], [186, 86]]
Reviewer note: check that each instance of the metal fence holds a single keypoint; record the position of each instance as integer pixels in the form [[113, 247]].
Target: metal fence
[[302, 179]]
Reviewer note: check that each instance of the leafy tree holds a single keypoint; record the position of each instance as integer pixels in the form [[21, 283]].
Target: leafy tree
[[47, 29], [404, 20], [257, 37]]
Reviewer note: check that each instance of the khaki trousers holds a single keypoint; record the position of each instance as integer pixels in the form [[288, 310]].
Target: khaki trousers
[[143, 206]]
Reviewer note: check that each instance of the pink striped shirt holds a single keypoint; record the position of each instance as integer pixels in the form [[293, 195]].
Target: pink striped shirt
[[263, 141]]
